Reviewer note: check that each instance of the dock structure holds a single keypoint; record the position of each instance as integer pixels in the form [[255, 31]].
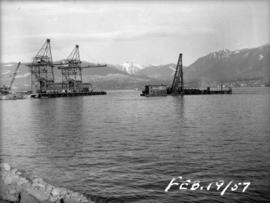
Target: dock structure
[[177, 87], [42, 75]]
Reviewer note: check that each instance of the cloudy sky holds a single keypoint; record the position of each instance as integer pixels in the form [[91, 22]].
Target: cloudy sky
[[151, 32]]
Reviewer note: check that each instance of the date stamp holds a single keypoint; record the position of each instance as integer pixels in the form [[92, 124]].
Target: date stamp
[[219, 185]]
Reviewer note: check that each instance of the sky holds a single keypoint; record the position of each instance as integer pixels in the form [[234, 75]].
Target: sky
[[143, 32]]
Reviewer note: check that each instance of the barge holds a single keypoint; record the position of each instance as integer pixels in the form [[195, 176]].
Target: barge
[[66, 94], [162, 90], [177, 87], [208, 90]]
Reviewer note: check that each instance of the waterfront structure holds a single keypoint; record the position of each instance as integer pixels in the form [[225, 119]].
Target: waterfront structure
[[43, 79]]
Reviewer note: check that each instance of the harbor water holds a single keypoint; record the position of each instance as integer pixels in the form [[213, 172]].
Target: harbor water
[[121, 147]]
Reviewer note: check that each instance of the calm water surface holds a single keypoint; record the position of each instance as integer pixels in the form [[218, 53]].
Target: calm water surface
[[127, 148]]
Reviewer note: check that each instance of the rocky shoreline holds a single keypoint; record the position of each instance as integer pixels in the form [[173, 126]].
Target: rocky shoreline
[[17, 187]]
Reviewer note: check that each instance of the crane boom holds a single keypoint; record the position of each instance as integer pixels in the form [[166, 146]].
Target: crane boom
[[96, 66], [66, 66], [14, 75]]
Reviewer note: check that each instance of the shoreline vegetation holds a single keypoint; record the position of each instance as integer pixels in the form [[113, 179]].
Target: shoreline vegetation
[[17, 187]]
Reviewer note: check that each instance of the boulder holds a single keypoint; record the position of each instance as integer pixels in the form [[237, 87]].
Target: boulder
[[38, 194], [6, 166], [17, 188]]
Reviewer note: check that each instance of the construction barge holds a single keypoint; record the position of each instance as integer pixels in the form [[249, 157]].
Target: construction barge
[[206, 91], [43, 84], [161, 90], [177, 87], [66, 94]]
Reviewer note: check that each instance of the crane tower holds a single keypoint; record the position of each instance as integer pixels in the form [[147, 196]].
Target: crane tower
[[42, 73], [71, 70], [178, 80]]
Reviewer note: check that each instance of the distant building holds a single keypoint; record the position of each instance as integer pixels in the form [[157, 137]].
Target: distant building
[[155, 90]]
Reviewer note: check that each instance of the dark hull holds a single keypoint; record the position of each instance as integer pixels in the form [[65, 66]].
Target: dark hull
[[66, 94]]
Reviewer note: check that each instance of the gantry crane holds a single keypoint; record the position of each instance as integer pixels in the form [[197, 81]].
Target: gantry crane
[[42, 73], [42, 70], [71, 70]]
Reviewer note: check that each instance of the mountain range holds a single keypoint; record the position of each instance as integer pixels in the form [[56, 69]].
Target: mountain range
[[246, 66], [231, 66]]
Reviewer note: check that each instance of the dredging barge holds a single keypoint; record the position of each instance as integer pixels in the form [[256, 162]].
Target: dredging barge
[[43, 78], [177, 87]]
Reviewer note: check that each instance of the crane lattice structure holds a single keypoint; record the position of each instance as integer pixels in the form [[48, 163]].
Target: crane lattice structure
[[42, 73], [14, 76], [8, 89], [71, 70], [178, 80]]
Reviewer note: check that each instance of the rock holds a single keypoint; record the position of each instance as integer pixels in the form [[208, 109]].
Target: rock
[[18, 173], [38, 194], [23, 182], [59, 192], [8, 193], [4, 201], [6, 166], [33, 189], [48, 188], [71, 201], [28, 198], [38, 180], [7, 179], [14, 171], [38, 183]]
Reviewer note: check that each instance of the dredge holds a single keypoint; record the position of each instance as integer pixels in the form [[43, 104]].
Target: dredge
[[43, 78], [177, 87]]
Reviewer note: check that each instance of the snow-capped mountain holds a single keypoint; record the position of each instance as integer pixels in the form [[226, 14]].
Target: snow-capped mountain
[[220, 54], [226, 65], [161, 72], [129, 67]]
